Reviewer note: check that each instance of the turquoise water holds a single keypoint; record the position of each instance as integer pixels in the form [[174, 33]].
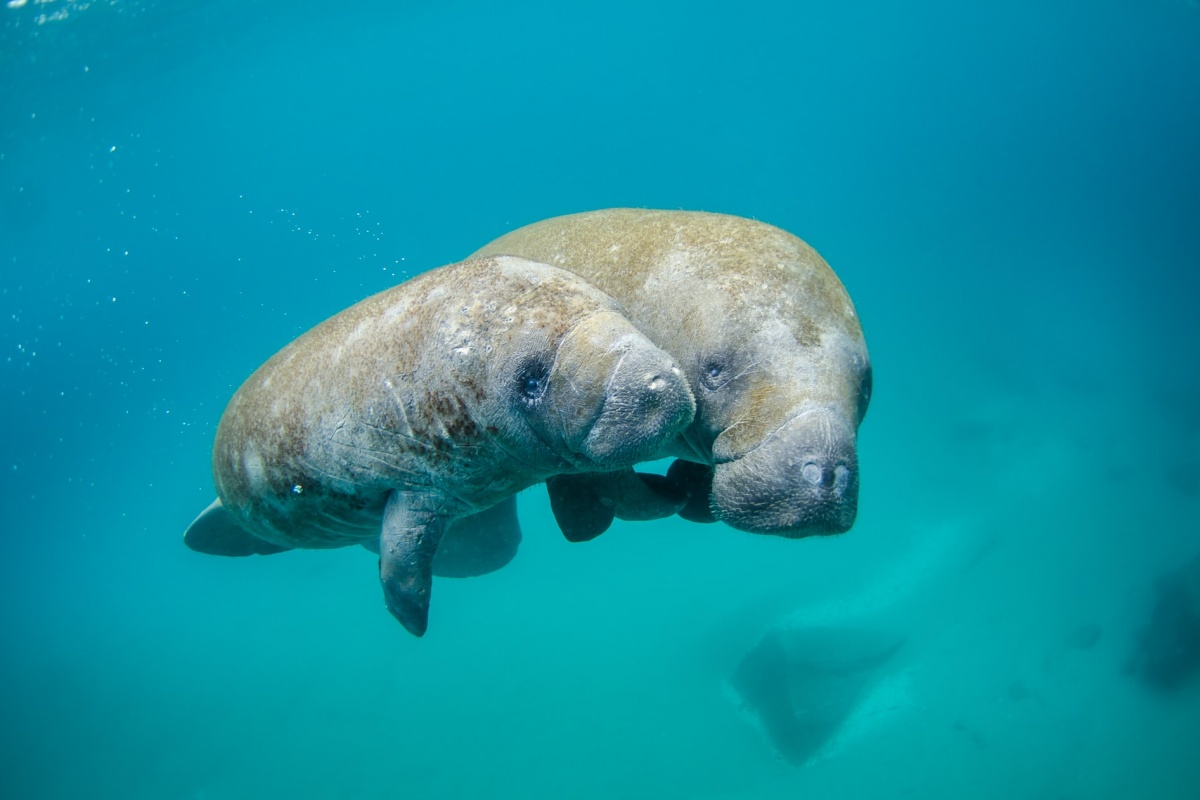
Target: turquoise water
[[1010, 192]]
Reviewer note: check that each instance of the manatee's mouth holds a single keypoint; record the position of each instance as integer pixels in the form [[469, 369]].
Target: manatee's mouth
[[647, 404], [801, 480], [618, 398]]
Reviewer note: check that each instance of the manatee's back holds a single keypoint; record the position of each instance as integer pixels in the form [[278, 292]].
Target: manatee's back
[[689, 270]]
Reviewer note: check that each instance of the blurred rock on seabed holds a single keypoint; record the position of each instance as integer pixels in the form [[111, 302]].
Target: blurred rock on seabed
[[1166, 654]]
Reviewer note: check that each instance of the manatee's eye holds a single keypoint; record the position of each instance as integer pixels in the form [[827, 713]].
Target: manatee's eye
[[532, 380], [714, 372]]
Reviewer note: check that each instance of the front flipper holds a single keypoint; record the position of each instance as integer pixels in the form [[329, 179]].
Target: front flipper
[[585, 505], [413, 525], [694, 482], [218, 532], [480, 543], [643, 496]]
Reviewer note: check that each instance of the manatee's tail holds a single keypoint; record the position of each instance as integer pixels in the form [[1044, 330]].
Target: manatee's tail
[[217, 532]]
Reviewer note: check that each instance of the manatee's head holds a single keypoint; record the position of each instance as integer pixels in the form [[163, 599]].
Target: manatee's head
[[784, 428], [612, 396], [776, 358], [573, 386]]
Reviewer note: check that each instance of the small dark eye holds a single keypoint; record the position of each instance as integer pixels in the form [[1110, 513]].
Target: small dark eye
[[532, 381], [714, 373]]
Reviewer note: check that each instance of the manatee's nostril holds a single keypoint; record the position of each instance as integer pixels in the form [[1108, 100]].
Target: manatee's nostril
[[841, 475], [655, 394], [812, 473]]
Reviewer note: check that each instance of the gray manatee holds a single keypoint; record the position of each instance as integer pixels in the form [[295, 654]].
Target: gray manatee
[[771, 346], [429, 402], [802, 683]]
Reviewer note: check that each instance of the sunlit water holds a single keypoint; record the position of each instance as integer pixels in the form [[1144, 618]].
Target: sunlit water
[[1011, 194]]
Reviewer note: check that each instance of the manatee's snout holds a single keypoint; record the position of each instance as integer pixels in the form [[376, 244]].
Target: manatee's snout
[[647, 403], [802, 480]]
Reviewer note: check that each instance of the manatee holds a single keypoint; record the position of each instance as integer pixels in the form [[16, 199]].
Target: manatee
[[429, 402], [771, 346], [802, 683]]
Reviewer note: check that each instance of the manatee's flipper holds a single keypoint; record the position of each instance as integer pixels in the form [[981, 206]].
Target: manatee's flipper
[[802, 683], [480, 543], [694, 481], [644, 496], [412, 529], [476, 544], [584, 505], [217, 532]]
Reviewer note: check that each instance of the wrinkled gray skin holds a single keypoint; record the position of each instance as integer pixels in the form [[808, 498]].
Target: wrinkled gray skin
[[769, 341], [429, 402]]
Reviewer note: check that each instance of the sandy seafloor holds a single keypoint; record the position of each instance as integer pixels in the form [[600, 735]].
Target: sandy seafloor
[[1010, 192]]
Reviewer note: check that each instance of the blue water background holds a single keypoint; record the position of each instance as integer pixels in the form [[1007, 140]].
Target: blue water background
[[1010, 192]]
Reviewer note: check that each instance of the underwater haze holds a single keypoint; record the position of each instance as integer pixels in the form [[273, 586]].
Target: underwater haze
[[1010, 192]]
